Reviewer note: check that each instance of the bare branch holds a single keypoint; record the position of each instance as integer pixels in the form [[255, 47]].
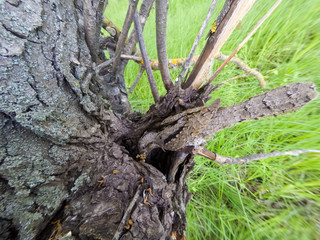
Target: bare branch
[[137, 80], [244, 41], [161, 33], [244, 67], [230, 16], [123, 35], [202, 151], [179, 62], [146, 63], [130, 46], [196, 42], [103, 65], [143, 15], [254, 157], [131, 57]]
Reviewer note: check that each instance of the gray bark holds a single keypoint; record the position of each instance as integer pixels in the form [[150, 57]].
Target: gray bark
[[67, 163]]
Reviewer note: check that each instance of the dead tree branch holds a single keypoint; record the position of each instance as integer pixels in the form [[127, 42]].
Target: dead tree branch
[[256, 27], [123, 35], [230, 16], [161, 34], [187, 63], [254, 157], [146, 62]]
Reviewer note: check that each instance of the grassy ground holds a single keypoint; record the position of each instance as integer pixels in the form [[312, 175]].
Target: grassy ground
[[277, 198]]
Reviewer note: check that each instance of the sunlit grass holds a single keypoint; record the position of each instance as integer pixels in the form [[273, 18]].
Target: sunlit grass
[[277, 198]]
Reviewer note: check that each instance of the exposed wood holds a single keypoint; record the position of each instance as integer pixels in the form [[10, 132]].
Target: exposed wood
[[229, 20], [187, 63], [256, 27]]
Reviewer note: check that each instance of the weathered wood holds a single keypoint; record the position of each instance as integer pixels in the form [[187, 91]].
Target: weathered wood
[[187, 63], [228, 19]]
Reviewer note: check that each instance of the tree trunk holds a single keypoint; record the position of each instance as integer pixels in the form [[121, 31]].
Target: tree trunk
[[61, 170], [69, 166]]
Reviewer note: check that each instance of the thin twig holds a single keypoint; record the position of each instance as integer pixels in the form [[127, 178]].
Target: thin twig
[[130, 46], [123, 35], [145, 58], [103, 65], [137, 80], [256, 27], [143, 15], [254, 157], [132, 57], [244, 67], [126, 214], [161, 33], [196, 42]]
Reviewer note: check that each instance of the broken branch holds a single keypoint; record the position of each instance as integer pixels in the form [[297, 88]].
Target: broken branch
[[244, 41], [187, 63], [228, 19]]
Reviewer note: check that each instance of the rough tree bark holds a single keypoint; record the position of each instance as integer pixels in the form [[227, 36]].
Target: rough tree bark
[[69, 165]]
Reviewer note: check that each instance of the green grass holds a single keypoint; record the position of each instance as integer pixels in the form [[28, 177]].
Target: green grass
[[277, 198]]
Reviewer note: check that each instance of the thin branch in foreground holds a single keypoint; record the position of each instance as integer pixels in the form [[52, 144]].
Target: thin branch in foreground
[[256, 27], [254, 157], [145, 58], [145, 9], [127, 212], [123, 35], [161, 34], [137, 80], [202, 151], [196, 42], [103, 65], [244, 67]]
